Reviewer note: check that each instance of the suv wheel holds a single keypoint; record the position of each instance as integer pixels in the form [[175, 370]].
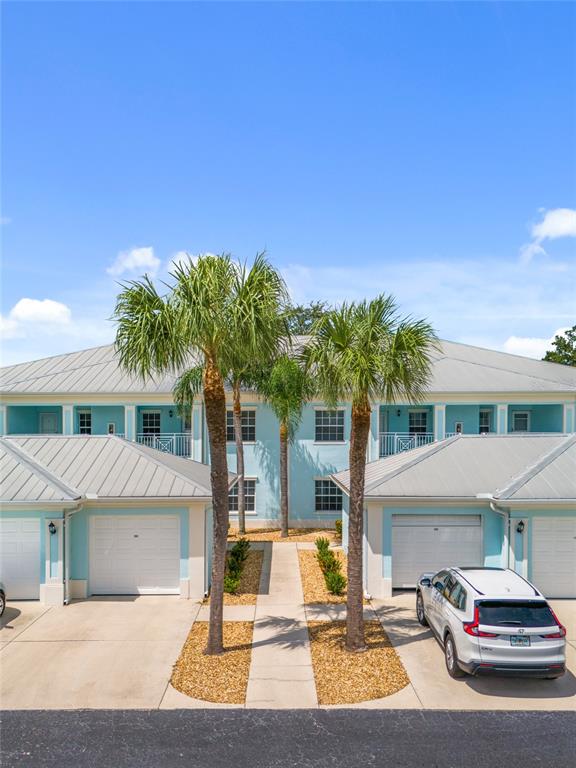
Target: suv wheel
[[2, 603], [451, 657], [420, 613]]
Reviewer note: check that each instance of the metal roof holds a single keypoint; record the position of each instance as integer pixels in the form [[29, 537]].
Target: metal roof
[[456, 368], [507, 467], [91, 466]]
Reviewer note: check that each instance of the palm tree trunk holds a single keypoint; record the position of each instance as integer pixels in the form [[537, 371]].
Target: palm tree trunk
[[354, 602], [283, 480], [215, 403], [237, 413]]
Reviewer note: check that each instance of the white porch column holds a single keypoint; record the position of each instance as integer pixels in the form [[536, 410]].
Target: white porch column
[[3, 420], [502, 419], [67, 419], [196, 432], [130, 422], [197, 554], [569, 418], [439, 421], [374, 441], [52, 590]]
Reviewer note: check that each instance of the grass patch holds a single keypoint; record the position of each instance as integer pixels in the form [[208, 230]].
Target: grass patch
[[273, 534], [222, 679], [349, 678]]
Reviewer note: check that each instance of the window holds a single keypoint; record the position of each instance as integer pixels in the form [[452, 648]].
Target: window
[[439, 580], [520, 421], [417, 422], [249, 496], [85, 422], [328, 496], [248, 426], [484, 422], [111, 427], [151, 422], [329, 427], [518, 613], [457, 596]]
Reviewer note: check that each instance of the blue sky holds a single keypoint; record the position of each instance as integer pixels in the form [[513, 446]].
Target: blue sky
[[425, 150]]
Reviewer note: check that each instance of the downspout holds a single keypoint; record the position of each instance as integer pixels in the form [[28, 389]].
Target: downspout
[[505, 513], [66, 550]]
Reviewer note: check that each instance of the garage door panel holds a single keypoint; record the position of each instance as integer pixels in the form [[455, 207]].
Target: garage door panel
[[20, 558], [421, 543], [135, 555], [554, 555]]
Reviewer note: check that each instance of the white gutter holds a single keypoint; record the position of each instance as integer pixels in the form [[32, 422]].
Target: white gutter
[[505, 513]]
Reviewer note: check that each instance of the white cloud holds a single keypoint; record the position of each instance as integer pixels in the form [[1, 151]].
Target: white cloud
[[138, 260], [29, 316], [530, 346], [558, 222]]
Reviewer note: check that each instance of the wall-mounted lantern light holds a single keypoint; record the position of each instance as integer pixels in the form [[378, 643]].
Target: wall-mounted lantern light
[[398, 412], [170, 413], [520, 527], [52, 528]]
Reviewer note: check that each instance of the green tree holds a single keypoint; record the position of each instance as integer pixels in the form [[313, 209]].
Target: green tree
[[363, 352], [564, 351], [212, 305], [302, 317], [287, 387]]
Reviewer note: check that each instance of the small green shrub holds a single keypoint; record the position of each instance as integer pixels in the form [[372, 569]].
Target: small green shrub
[[322, 544], [231, 583], [328, 562], [335, 582], [338, 526], [240, 549]]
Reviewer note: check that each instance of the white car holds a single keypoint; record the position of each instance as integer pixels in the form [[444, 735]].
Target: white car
[[491, 620]]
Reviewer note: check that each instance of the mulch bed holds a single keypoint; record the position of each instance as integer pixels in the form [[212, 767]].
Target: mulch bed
[[249, 581], [294, 534], [349, 678], [313, 583], [222, 679]]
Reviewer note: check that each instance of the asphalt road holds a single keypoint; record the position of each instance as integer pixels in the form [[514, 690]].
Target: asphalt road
[[279, 739]]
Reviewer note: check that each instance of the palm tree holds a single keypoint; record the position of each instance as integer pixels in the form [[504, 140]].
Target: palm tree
[[213, 305], [286, 388], [364, 352]]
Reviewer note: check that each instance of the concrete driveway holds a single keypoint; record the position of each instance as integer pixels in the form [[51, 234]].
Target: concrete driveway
[[423, 659], [97, 653]]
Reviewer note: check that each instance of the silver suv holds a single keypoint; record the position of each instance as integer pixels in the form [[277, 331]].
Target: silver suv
[[491, 620]]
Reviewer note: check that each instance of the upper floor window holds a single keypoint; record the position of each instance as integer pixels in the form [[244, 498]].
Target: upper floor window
[[248, 426], [520, 421], [249, 496], [329, 426], [484, 423], [417, 422], [151, 422], [85, 422], [328, 497]]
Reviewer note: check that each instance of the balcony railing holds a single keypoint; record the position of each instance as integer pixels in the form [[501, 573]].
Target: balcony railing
[[178, 443], [397, 442]]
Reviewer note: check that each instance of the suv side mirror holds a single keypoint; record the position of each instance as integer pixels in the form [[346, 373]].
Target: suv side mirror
[[425, 582]]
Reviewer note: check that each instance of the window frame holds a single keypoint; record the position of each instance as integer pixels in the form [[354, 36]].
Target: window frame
[[521, 413], [83, 413], [418, 412], [230, 435], [481, 427], [338, 495], [145, 427], [340, 428], [233, 494]]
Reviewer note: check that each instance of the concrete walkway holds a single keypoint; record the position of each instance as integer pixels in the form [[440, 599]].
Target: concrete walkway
[[281, 674]]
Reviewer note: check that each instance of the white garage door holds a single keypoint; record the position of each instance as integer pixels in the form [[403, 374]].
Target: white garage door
[[20, 558], [131, 555], [428, 543], [554, 555]]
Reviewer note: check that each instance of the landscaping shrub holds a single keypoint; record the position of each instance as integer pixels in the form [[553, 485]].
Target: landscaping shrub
[[335, 582], [234, 565], [330, 566], [338, 526]]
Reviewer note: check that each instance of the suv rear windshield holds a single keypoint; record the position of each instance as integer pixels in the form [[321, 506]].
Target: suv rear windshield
[[515, 613]]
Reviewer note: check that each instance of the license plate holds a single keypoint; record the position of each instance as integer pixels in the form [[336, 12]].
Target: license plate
[[519, 640]]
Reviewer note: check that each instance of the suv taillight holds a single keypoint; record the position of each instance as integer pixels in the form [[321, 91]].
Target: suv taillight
[[472, 627], [561, 629]]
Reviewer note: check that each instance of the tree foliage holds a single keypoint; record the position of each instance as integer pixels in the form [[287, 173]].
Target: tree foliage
[[564, 351]]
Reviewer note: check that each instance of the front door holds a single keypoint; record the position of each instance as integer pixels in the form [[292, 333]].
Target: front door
[[48, 423]]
